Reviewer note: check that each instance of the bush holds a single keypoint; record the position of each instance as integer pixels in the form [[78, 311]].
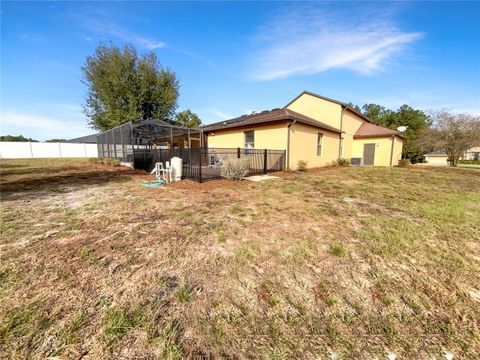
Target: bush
[[108, 161], [105, 161], [302, 165], [403, 162], [472, 162], [93, 161], [342, 162], [235, 169]]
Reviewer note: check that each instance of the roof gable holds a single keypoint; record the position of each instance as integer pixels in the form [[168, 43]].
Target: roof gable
[[342, 104]]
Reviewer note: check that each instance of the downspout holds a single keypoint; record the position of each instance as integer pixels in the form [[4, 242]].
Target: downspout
[[391, 152], [288, 143], [341, 129]]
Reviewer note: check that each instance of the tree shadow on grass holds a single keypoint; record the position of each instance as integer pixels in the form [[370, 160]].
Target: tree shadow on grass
[[55, 181], [36, 171], [11, 166]]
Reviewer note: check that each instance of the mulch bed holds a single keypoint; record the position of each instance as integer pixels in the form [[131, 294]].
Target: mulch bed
[[187, 184], [207, 185]]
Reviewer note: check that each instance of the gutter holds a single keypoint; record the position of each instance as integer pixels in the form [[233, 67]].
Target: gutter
[[391, 151], [288, 143]]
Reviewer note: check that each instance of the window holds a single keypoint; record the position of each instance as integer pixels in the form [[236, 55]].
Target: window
[[249, 140], [319, 144]]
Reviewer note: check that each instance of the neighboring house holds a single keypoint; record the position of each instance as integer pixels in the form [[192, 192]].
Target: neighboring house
[[472, 154], [312, 128], [440, 158], [436, 158]]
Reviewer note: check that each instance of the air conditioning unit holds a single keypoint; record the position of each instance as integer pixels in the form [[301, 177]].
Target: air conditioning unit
[[356, 161]]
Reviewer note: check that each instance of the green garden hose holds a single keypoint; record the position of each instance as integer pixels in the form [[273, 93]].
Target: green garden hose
[[154, 183]]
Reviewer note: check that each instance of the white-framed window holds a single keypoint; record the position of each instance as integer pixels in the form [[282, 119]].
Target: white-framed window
[[319, 144], [249, 140]]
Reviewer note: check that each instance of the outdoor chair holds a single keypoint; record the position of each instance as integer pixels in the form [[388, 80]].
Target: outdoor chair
[[214, 162], [162, 172]]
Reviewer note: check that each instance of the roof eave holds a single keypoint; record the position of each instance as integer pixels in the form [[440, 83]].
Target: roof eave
[[279, 118], [378, 135]]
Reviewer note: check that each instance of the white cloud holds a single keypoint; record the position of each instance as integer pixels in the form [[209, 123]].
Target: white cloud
[[116, 31], [67, 122], [309, 41], [222, 115]]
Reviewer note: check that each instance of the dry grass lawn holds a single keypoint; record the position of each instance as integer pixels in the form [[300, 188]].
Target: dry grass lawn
[[353, 262]]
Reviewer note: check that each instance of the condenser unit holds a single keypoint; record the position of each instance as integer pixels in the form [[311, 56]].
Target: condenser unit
[[356, 161]]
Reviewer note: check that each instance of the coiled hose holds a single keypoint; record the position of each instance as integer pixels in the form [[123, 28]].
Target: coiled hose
[[154, 183]]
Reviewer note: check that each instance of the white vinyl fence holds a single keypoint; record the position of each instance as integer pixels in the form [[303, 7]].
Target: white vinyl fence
[[19, 150]]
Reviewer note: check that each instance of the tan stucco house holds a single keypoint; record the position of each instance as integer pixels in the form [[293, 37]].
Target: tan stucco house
[[311, 128], [440, 158]]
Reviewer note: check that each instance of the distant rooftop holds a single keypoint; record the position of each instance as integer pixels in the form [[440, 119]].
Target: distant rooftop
[[88, 139]]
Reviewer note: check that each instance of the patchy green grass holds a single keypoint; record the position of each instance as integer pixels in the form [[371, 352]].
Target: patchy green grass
[[338, 250], [359, 262], [184, 294], [469, 166], [118, 322]]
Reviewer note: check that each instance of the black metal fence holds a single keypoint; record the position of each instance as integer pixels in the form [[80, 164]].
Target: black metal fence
[[202, 164]]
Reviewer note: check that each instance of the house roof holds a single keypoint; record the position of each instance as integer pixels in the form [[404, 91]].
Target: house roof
[[367, 130], [268, 116], [344, 105], [89, 139]]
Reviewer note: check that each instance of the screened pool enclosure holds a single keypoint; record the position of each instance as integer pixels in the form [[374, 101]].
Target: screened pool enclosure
[[142, 144], [122, 141]]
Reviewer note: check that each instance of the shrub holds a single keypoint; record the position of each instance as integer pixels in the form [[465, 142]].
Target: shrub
[[472, 162], [108, 161], [93, 161], [342, 162], [403, 162], [302, 165], [235, 169]]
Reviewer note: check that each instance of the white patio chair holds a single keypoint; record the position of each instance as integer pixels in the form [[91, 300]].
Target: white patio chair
[[212, 161], [161, 172]]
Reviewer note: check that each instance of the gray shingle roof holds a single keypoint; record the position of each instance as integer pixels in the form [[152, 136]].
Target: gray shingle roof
[[89, 139]]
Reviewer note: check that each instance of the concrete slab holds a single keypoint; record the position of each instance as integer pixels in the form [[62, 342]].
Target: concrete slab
[[257, 178]]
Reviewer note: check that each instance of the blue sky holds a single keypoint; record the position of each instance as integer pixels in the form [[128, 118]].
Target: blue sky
[[236, 57]]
